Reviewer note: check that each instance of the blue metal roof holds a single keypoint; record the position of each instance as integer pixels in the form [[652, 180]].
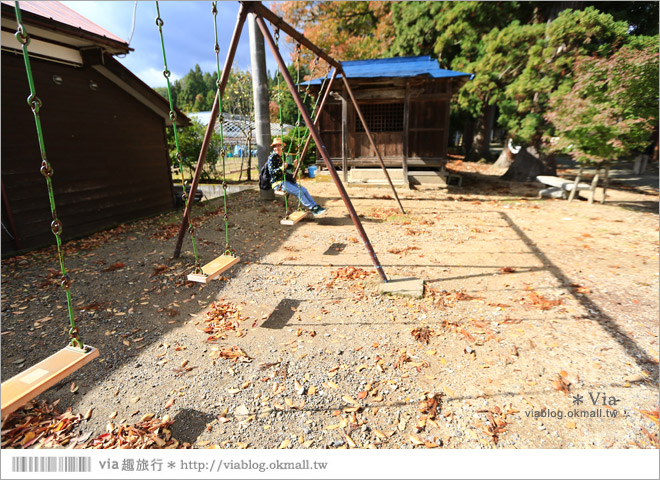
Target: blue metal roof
[[395, 67]]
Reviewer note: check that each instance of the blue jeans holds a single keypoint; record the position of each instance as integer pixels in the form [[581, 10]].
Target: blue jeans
[[292, 188]]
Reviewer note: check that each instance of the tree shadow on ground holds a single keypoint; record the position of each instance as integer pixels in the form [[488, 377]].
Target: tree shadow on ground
[[648, 206], [608, 324], [189, 424], [281, 314]]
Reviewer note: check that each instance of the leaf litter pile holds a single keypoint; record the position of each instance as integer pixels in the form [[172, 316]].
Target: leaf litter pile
[[41, 425], [149, 432], [222, 318]]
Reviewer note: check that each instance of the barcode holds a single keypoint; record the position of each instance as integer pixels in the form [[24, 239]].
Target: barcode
[[51, 464]]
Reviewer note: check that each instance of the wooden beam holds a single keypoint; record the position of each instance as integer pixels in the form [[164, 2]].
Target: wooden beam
[[445, 137], [406, 130], [22, 388], [344, 138]]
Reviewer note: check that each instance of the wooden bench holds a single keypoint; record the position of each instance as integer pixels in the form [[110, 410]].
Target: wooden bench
[[562, 188]]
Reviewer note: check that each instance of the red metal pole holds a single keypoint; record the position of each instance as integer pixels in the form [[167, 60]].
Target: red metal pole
[[242, 15], [321, 146], [316, 121]]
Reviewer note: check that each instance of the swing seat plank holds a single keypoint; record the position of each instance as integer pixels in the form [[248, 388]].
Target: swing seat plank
[[294, 218], [22, 388], [214, 268]]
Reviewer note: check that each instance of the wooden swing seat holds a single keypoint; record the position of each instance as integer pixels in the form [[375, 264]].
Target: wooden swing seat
[[214, 268], [22, 388], [294, 218]]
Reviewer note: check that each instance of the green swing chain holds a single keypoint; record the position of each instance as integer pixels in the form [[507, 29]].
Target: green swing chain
[[47, 171], [297, 131], [276, 34], [223, 153], [307, 131], [318, 97], [185, 196]]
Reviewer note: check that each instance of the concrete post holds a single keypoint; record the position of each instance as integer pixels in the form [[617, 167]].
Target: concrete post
[[260, 93]]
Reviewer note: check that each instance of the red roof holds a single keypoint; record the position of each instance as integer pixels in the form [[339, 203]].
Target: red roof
[[61, 13]]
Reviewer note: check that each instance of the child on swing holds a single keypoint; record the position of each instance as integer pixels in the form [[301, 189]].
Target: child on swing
[[279, 180]]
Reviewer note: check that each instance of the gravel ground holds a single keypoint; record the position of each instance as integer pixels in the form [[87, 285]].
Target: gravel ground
[[536, 314]]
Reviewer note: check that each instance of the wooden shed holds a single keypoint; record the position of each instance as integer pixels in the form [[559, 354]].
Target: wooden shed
[[405, 102], [104, 130]]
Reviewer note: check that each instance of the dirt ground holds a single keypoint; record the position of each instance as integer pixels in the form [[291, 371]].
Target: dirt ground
[[538, 327]]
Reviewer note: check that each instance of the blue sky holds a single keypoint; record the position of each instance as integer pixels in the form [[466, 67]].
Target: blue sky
[[188, 32]]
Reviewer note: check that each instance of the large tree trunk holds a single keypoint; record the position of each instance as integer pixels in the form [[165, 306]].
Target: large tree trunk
[[528, 164], [507, 157], [481, 146]]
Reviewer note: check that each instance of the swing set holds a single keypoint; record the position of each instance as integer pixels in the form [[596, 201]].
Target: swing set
[[262, 14], [299, 213], [22, 388], [25, 386]]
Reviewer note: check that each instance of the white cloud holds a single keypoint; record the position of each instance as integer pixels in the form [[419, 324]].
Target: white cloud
[[154, 77]]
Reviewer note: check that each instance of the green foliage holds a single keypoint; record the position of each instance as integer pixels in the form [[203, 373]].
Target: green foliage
[[550, 61], [196, 92], [284, 100], [502, 56], [295, 141], [190, 144], [415, 24], [611, 107], [451, 31]]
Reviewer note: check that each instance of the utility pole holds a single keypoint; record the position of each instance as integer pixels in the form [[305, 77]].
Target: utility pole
[[260, 93]]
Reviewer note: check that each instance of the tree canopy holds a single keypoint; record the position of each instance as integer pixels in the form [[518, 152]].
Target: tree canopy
[[611, 108], [532, 63], [196, 92]]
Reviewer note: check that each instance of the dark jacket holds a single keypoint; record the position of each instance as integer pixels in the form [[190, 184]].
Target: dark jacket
[[275, 170]]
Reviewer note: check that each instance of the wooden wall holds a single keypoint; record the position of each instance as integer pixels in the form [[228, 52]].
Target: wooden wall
[[421, 140], [108, 152]]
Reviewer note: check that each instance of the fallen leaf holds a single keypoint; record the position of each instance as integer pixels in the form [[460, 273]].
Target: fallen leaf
[[349, 399]]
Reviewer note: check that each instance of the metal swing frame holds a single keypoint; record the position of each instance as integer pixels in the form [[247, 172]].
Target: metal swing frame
[[262, 13]]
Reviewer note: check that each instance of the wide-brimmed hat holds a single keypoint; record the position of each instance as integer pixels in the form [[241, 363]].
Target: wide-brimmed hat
[[276, 141]]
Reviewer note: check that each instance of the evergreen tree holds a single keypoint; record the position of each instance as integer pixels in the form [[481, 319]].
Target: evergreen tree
[[610, 108]]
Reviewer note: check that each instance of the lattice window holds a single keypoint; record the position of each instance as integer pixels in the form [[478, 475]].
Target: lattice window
[[381, 117]]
